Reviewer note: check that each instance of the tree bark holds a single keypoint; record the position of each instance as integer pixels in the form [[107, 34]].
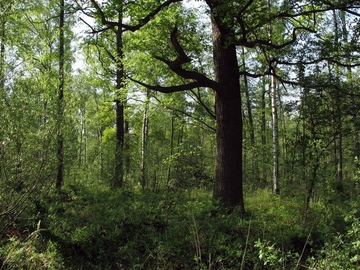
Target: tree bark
[[228, 180], [228, 169], [144, 139], [60, 138], [263, 114], [2, 73], [119, 105], [337, 115], [274, 118], [275, 133]]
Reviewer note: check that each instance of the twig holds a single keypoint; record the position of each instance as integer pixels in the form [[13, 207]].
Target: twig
[[197, 241], [303, 250], [246, 243]]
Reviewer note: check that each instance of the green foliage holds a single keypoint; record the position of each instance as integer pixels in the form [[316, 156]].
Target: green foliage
[[95, 227], [339, 250], [273, 256], [343, 251], [31, 253]]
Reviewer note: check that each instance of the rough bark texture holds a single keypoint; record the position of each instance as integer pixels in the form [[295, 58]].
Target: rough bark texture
[[228, 166], [228, 169], [60, 139], [119, 107]]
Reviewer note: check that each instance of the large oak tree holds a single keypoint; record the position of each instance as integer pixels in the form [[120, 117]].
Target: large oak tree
[[240, 24]]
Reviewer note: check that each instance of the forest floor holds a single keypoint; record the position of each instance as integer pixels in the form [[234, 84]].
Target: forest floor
[[87, 228]]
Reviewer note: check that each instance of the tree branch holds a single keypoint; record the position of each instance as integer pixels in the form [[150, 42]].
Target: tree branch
[[131, 28], [245, 7], [268, 43], [104, 21], [168, 89], [93, 31], [182, 58], [180, 51], [201, 102], [186, 114], [151, 15], [329, 59]]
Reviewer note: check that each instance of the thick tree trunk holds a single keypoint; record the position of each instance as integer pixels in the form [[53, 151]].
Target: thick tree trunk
[[228, 169], [60, 138]]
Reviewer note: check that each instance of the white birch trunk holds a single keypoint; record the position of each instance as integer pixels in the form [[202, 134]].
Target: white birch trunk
[[274, 117], [275, 136], [144, 138]]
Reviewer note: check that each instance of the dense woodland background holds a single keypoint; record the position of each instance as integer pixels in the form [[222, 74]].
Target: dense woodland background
[[179, 134]]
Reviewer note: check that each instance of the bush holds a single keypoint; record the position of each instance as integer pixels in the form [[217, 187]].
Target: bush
[[343, 251], [30, 253]]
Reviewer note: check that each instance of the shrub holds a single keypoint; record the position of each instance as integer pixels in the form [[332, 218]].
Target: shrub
[[32, 253]]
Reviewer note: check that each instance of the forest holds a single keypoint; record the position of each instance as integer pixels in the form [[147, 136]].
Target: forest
[[179, 134]]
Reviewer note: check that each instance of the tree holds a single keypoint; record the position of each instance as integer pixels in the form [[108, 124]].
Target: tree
[[29, 121], [274, 118], [6, 8], [144, 139], [242, 24], [228, 173], [111, 17], [60, 138]]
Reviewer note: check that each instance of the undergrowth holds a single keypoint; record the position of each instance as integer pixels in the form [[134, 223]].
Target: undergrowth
[[97, 228]]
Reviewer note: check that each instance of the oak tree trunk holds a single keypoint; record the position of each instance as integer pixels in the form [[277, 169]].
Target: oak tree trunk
[[60, 138], [228, 169]]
